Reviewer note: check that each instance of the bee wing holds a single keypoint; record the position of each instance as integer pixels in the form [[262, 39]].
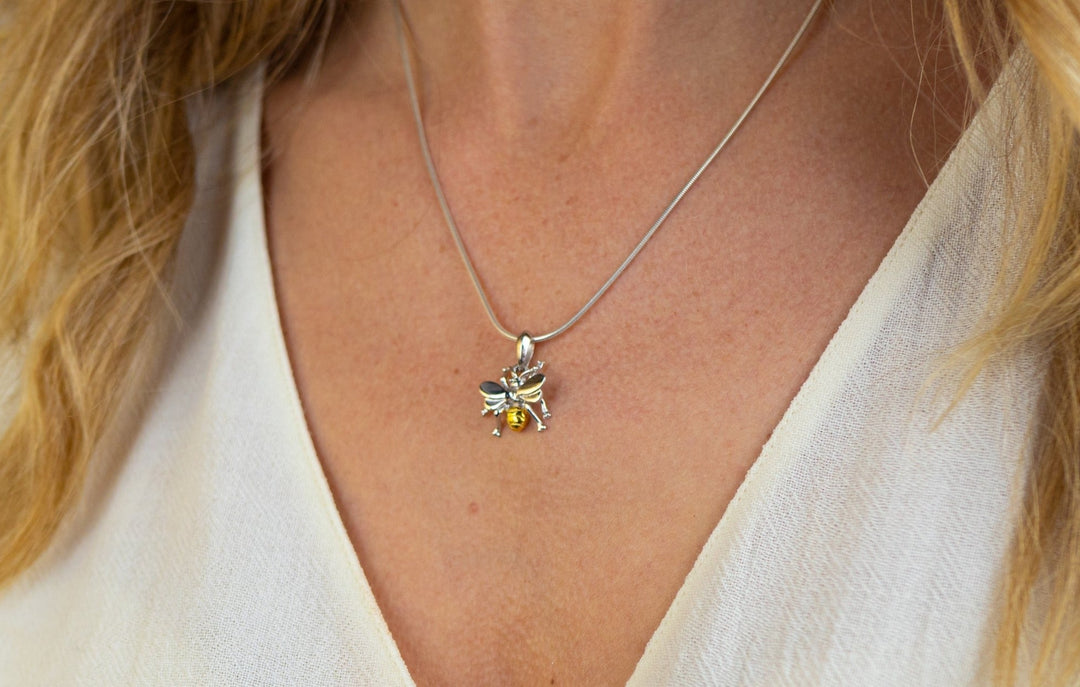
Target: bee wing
[[493, 393], [530, 390]]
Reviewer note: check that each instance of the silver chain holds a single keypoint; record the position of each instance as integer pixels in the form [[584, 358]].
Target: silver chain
[[415, 102]]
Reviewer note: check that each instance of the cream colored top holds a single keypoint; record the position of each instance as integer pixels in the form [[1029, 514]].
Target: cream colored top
[[861, 549]]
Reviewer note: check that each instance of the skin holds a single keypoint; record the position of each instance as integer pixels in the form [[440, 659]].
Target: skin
[[560, 130]]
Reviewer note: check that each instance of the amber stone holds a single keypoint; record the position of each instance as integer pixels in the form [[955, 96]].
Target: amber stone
[[516, 418]]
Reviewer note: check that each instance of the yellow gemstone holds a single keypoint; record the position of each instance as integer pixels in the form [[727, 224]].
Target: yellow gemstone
[[516, 418]]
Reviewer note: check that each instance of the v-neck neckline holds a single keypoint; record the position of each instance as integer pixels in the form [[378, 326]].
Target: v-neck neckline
[[801, 415]]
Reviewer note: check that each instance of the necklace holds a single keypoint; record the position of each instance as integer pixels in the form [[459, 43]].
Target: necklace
[[520, 388]]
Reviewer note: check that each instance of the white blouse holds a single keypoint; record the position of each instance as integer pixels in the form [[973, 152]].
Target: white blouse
[[863, 547]]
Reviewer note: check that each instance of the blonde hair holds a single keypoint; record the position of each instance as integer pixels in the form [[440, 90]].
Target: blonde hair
[[96, 172]]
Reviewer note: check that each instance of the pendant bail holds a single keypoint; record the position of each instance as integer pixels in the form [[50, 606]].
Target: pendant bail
[[524, 349]]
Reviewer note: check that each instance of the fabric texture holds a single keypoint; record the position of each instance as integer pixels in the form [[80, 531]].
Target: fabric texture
[[863, 547]]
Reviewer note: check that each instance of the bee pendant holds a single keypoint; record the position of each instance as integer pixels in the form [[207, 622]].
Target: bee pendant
[[516, 392]]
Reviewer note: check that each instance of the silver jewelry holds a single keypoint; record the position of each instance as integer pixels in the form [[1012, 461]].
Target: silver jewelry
[[515, 393], [520, 386]]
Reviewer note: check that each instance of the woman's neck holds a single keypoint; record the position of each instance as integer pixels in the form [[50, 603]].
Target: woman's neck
[[545, 73]]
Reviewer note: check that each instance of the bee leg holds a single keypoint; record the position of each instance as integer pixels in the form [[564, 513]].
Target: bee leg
[[497, 432], [540, 426], [543, 409]]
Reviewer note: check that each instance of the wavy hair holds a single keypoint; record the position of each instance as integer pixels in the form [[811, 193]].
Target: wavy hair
[[96, 178]]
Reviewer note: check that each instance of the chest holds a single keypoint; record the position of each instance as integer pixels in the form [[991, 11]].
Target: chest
[[554, 555]]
